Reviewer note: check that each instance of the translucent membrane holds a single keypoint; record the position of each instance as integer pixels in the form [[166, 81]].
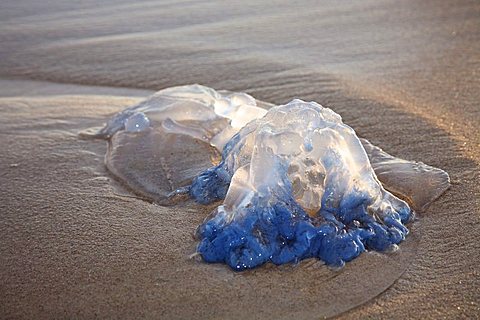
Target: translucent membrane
[[162, 143], [419, 184], [296, 182]]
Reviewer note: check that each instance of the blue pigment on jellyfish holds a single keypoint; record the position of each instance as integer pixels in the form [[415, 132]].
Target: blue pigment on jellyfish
[[292, 183]]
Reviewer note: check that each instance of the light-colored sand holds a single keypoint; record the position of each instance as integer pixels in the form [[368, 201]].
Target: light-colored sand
[[75, 244]]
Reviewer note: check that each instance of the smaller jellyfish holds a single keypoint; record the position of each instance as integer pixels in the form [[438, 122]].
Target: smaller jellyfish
[[161, 144]]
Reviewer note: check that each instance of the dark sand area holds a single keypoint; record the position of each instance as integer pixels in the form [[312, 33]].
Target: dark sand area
[[74, 243]]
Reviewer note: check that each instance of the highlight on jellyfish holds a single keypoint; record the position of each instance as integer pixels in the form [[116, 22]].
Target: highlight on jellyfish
[[289, 182]]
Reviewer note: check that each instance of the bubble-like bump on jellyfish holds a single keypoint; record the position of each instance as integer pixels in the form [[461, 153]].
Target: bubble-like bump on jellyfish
[[296, 182], [137, 122]]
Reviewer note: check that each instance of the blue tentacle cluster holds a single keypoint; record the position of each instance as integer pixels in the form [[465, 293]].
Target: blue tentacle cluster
[[280, 231], [211, 185], [274, 234]]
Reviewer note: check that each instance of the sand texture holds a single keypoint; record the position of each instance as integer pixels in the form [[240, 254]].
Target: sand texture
[[75, 243]]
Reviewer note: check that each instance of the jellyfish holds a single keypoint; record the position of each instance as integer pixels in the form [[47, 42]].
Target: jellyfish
[[289, 182]]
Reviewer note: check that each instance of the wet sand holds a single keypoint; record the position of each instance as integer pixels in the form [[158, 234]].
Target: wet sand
[[75, 243]]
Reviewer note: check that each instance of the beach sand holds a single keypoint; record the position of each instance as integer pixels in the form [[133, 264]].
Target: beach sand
[[75, 243]]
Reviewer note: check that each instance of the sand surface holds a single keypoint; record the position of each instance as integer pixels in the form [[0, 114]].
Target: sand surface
[[74, 243]]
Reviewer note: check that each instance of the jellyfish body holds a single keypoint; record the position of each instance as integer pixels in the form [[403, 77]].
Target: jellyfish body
[[300, 185], [293, 182]]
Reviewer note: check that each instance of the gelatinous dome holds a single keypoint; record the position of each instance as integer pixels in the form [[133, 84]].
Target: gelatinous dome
[[300, 185]]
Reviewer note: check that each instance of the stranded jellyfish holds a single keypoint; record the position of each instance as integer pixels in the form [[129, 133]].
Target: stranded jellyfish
[[290, 182]]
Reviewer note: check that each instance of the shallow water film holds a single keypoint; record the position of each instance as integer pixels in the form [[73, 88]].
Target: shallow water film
[[293, 182]]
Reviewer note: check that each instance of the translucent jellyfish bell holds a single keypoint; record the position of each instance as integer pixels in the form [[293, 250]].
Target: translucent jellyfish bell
[[286, 203], [162, 143], [419, 184]]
